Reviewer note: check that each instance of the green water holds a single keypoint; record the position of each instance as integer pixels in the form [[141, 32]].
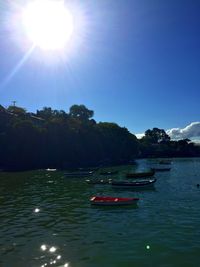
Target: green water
[[46, 220]]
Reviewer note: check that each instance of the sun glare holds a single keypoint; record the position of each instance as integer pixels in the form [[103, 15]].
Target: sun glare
[[48, 24]]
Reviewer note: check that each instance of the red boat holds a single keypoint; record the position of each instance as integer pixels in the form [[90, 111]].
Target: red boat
[[113, 201]]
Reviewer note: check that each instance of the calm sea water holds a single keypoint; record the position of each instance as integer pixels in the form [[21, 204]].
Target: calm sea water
[[47, 220]]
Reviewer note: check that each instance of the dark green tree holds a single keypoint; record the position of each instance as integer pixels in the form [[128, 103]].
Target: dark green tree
[[155, 136], [46, 113], [80, 112], [16, 110]]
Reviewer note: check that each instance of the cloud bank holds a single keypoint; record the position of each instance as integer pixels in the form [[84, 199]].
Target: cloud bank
[[191, 131], [140, 135]]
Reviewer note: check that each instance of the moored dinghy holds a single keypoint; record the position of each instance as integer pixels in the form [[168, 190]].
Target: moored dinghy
[[140, 174], [134, 184], [112, 201], [78, 174], [98, 181], [168, 162], [51, 170], [161, 169], [109, 173]]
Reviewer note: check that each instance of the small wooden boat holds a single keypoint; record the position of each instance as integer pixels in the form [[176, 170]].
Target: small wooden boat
[[87, 169], [51, 170], [140, 174], [168, 162], [112, 201], [98, 181], [78, 174], [109, 173], [161, 169], [134, 184]]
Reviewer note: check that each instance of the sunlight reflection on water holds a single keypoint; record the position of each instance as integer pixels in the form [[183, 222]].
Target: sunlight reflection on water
[[43, 247], [51, 257], [36, 210], [43, 223]]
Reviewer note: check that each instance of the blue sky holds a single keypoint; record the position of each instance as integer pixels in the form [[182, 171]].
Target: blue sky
[[137, 64]]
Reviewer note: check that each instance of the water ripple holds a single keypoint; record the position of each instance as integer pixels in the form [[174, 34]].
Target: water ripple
[[40, 210]]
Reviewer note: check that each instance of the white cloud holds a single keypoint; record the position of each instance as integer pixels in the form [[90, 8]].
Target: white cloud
[[191, 131], [139, 136]]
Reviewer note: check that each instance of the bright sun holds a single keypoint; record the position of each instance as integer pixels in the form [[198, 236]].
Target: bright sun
[[48, 24]]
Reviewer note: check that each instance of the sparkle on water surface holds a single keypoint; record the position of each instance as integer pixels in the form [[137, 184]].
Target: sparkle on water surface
[[69, 232]]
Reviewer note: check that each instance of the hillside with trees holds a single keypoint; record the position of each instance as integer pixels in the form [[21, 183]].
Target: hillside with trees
[[59, 139], [156, 143]]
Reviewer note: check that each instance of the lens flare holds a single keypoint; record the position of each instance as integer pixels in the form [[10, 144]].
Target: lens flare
[[48, 24]]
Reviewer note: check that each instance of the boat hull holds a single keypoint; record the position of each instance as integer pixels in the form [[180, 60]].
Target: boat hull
[[109, 173], [112, 201], [101, 181], [161, 169], [165, 162], [78, 174], [134, 185], [140, 175]]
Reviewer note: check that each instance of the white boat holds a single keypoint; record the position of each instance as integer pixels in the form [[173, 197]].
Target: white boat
[[51, 170]]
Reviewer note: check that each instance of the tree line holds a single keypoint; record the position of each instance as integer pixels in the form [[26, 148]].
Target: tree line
[[63, 140]]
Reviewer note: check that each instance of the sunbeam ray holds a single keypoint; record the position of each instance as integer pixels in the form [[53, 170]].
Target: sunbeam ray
[[9, 77]]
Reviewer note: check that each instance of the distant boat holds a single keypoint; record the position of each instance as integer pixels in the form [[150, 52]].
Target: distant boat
[[140, 174], [109, 172], [51, 170], [168, 162], [78, 174], [161, 169], [87, 169], [112, 201], [98, 181], [134, 184]]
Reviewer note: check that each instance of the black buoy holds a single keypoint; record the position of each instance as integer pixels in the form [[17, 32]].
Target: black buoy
[[198, 185]]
